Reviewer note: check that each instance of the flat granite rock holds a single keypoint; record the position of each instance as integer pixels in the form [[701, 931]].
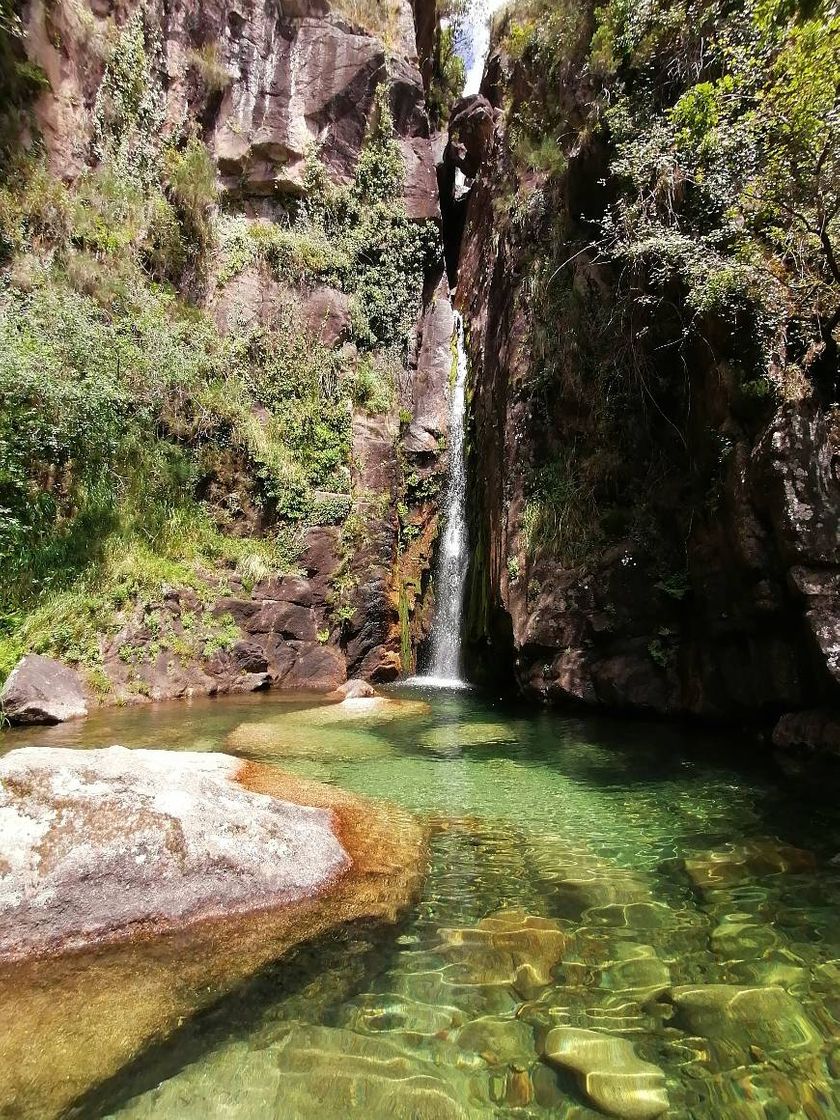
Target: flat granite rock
[[97, 843], [41, 690], [137, 887], [609, 1072]]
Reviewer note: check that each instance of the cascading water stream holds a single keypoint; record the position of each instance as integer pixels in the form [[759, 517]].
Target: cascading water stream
[[445, 661], [444, 668]]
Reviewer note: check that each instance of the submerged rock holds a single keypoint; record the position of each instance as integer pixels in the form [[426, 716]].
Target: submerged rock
[[171, 877], [449, 736], [738, 1019], [738, 863], [310, 733], [314, 1072], [499, 1041], [40, 690], [511, 949], [609, 1072]]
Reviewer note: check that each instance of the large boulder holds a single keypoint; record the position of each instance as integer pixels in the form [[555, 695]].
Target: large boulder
[[471, 127], [40, 690], [139, 886], [144, 838]]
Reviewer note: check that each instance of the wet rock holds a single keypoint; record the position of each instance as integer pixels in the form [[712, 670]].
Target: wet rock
[[371, 1014], [608, 1072], [241, 860], [636, 972], [737, 1018], [599, 886], [510, 949], [742, 939], [470, 133], [355, 690], [292, 738], [308, 733], [739, 863], [807, 746], [40, 690], [365, 709]]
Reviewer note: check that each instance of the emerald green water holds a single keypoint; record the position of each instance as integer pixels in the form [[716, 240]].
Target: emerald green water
[[535, 815]]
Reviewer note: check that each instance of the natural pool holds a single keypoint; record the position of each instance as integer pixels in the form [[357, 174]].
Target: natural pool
[[604, 875]]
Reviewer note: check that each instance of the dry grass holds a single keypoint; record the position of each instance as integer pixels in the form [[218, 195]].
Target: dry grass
[[381, 18]]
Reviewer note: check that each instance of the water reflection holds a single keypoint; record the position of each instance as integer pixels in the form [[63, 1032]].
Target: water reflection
[[586, 875]]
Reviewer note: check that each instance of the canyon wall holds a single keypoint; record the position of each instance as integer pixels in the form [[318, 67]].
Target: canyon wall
[[285, 98], [652, 531]]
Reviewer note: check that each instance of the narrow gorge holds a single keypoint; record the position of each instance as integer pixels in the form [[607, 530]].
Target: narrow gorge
[[419, 559], [231, 236]]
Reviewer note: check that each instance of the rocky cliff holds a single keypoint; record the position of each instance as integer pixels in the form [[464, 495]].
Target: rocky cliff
[[285, 151], [655, 482]]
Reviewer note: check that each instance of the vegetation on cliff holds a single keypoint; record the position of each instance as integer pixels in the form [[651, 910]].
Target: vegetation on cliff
[[675, 167], [140, 445]]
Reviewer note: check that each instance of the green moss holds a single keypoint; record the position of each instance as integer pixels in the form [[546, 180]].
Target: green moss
[[406, 648]]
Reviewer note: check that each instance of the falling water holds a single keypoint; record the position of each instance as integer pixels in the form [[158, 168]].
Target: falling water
[[445, 661]]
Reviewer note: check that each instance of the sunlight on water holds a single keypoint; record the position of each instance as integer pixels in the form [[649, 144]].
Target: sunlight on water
[[617, 877]]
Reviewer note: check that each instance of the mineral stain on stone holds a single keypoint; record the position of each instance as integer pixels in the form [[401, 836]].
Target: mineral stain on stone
[[138, 886]]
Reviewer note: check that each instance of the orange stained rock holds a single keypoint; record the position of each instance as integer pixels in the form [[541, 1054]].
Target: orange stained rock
[[72, 1020]]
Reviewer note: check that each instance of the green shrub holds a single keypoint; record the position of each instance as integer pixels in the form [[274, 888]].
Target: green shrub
[[448, 76]]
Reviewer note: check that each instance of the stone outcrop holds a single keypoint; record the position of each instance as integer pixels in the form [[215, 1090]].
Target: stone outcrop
[[740, 619], [40, 690], [271, 636], [104, 844], [471, 125], [137, 886]]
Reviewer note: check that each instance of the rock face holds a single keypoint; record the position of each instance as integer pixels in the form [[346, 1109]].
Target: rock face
[[740, 618], [609, 1073], [271, 635], [171, 877], [266, 86], [40, 690]]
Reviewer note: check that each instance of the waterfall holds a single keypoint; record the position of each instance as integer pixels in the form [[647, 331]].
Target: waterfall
[[450, 579]]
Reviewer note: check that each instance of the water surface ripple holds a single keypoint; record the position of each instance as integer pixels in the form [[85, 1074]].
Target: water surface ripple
[[597, 874]]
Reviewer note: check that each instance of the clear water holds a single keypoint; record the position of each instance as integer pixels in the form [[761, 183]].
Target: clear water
[[445, 659], [585, 822]]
